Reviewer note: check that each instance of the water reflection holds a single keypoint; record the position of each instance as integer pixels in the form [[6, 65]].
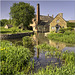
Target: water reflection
[[41, 38], [40, 59], [58, 45]]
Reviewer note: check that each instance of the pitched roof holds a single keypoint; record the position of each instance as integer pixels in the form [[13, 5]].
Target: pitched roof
[[61, 17], [45, 20]]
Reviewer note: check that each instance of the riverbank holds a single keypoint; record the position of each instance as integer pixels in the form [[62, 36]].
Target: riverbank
[[15, 36], [13, 30], [67, 37]]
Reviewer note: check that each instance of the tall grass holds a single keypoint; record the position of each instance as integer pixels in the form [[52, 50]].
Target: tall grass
[[67, 37]]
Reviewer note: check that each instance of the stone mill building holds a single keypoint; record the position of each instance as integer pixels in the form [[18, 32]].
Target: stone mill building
[[48, 23]]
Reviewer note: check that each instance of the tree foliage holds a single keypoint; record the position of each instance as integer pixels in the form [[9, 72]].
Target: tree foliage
[[70, 24], [3, 22], [22, 13]]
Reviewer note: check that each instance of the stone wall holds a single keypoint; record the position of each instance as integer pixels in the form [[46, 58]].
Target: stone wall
[[61, 22], [15, 36]]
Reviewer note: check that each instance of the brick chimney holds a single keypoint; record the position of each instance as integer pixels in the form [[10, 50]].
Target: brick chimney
[[38, 14]]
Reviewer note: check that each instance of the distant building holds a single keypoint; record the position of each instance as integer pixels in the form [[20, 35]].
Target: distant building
[[8, 26], [48, 23], [72, 21]]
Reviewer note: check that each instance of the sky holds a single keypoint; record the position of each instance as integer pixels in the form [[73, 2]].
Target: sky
[[46, 7]]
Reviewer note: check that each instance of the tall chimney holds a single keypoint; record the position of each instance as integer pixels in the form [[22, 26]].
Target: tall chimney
[[38, 14]]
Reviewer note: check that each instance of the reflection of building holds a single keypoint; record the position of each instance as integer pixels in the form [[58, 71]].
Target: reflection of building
[[48, 23], [58, 45], [41, 38]]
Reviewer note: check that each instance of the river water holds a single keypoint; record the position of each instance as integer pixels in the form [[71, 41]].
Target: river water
[[40, 60]]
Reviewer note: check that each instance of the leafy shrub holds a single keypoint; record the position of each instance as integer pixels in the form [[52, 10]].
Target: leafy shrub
[[62, 30], [69, 24], [14, 30], [19, 43], [67, 32], [69, 28], [13, 59], [27, 42]]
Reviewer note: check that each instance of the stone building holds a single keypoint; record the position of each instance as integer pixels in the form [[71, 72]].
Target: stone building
[[57, 23], [8, 26], [47, 23]]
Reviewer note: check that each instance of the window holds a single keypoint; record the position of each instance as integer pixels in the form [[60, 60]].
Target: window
[[57, 21], [53, 28]]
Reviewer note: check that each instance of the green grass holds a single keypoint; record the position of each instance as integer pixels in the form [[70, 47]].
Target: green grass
[[67, 37], [12, 30]]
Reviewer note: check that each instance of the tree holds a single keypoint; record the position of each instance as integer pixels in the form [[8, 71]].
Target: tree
[[9, 21], [22, 13], [70, 24], [3, 22]]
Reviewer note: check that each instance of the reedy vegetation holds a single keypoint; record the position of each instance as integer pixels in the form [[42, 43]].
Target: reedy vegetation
[[67, 68], [67, 37]]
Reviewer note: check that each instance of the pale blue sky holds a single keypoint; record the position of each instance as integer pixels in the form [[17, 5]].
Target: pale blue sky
[[46, 7]]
